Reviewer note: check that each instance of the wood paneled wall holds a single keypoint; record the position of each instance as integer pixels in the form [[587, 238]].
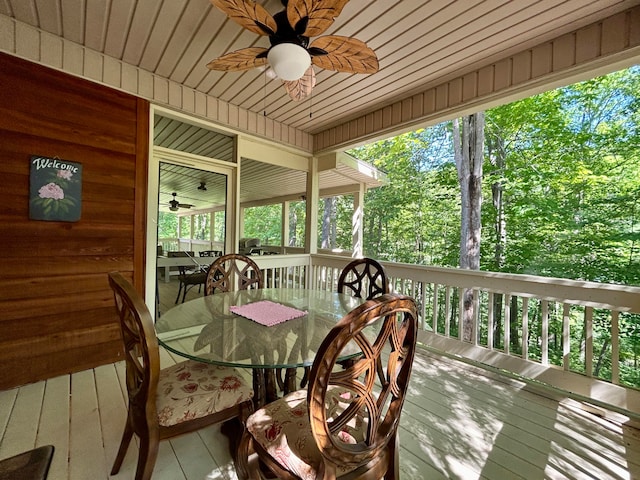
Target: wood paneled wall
[[56, 308]]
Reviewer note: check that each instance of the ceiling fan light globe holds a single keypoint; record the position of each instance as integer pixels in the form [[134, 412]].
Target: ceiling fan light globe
[[289, 61]]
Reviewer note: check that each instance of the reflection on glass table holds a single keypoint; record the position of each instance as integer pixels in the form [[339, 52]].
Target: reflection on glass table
[[204, 329]]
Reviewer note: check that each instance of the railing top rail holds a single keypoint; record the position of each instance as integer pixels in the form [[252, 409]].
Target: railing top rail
[[623, 298]]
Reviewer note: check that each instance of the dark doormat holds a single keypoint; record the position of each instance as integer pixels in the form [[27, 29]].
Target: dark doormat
[[31, 465]]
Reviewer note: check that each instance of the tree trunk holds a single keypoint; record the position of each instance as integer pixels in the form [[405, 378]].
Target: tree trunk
[[514, 327], [601, 357], [468, 146], [293, 227], [497, 320], [497, 155], [333, 219], [326, 223]]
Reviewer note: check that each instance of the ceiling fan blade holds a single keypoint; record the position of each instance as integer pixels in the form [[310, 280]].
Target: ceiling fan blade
[[248, 14], [242, 59], [312, 17], [343, 54], [301, 88]]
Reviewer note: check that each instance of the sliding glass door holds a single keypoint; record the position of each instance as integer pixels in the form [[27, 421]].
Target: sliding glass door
[[189, 224]]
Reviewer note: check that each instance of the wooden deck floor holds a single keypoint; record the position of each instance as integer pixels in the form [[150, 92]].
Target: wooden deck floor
[[167, 292], [459, 422]]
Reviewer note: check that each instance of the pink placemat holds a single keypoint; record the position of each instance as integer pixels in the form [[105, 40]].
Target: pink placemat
[[267, 313]]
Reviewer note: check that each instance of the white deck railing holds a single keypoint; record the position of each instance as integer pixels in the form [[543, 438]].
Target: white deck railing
[[506, 308]]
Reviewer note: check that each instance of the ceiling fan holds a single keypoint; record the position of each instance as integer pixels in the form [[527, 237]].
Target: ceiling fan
[[174, 204], [290, 55]]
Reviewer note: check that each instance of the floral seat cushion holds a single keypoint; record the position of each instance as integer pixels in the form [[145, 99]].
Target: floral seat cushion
[[192, 389], [282, 428]]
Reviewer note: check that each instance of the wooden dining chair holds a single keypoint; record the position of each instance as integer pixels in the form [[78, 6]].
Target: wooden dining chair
[[163, 403], [363, 278], [345, 425], [232, 272]]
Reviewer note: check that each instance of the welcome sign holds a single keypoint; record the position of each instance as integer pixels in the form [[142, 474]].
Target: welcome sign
[[55, 189]]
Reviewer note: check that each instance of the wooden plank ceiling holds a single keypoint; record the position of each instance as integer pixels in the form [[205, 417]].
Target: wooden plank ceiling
[[419, 43]]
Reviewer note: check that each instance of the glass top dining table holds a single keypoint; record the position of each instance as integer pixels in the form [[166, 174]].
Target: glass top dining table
[[206, 330]]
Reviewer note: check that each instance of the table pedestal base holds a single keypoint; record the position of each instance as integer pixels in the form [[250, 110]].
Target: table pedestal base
[[265, 385]]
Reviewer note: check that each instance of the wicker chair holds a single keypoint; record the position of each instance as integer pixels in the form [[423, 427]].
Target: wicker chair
[[346, 424], [214, 394], [232, 269]]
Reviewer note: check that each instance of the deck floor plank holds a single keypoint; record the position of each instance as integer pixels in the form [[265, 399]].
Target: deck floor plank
[[195, 459], [459, 422], [85, 440], [55, 423], [22, 427], [112, 408], [218, 445], [7, 402]]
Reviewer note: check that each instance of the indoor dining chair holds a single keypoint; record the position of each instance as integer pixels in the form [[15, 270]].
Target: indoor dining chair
[[345, 425], [232, 272], [182, 398]]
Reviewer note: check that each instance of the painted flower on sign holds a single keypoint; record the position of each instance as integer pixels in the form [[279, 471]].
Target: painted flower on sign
[[51, 190], [66, 174]]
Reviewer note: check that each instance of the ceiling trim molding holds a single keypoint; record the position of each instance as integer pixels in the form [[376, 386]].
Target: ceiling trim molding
[[597, 49]]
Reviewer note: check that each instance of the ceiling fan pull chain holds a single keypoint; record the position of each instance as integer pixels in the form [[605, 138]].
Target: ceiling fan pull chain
[[264, 94]]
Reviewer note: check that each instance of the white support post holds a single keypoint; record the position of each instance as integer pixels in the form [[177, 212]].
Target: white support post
[[313, 196], [285, 226], [357, 223]]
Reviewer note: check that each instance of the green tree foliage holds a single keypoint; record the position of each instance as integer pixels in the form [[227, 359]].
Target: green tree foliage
[[219, 227], [336, 234], [297, 219], [202, 226], [572, 180], [167, 225], [415, 218], [265, 223]]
